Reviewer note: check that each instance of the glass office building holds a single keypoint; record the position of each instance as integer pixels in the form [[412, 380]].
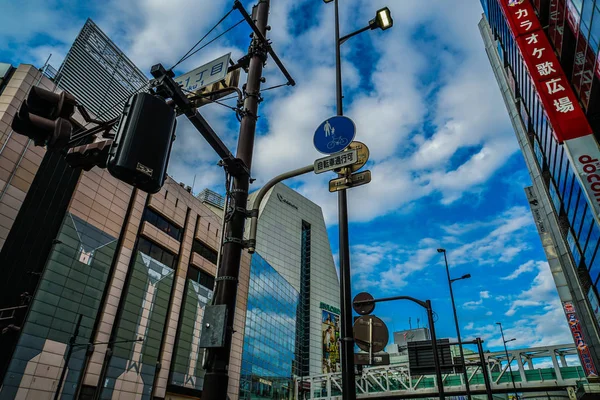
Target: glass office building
[[269, 360], [564, 215]]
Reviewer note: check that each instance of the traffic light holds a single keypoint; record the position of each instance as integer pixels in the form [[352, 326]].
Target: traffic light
[[140, 152], [44, 118]]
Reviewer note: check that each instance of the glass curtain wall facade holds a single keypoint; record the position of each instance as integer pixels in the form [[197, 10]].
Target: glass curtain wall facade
[[186, 366], [575, 216], [142, 320], [269, 357], [303, 313], [71, 285]]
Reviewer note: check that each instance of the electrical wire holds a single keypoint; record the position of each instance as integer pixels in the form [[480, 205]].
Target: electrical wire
[[212, 40], [213, 101], [274, 87], [187, 55]]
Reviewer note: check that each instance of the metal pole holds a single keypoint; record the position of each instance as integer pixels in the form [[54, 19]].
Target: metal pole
[[460, 345], [512, 378], [436, 356], [347, 342], [68, 357], [484, 370], [217, 378]]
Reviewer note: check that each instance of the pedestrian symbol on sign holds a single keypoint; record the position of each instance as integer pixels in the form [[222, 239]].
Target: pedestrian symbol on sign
[[334, 134]]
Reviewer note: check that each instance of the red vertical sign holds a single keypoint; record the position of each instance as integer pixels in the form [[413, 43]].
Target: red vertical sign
[[566, 116]]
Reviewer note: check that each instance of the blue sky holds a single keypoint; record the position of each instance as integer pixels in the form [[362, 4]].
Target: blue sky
[[447, 171]]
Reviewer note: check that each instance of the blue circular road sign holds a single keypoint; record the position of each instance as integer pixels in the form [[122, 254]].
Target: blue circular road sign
[[334, 134]]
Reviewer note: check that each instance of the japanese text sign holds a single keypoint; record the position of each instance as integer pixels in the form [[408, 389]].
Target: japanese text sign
[[566, 116], [520, 16], [204, 75], [335, 161]]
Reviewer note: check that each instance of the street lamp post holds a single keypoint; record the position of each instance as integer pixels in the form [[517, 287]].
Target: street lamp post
[[512, 378], [383, 20], [460, 346]]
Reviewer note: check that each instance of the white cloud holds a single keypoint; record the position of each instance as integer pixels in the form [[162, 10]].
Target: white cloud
[[523, 268], [474, 304], [541, 292], [542, 329], [469, 326]]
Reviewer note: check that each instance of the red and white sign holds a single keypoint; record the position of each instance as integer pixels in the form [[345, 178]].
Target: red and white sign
[[566, 116], [585, 355], [585, 158]]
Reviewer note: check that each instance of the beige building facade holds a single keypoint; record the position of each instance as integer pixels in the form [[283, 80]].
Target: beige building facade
[[135, 269]]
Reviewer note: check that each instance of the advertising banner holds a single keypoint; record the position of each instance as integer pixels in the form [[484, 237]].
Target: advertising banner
[[584, 156], [330, 329], [566, 116], [584, 352]]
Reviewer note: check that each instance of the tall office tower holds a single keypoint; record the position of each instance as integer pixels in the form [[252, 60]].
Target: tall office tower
[[543, 54]]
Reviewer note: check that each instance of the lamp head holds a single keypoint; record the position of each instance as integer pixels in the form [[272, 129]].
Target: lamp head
[[441, 250], [499, 323], [511, 340], [327, 1], [383, 19], [466, 276]]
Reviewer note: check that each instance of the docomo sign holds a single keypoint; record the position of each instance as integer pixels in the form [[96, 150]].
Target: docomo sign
[[566, 116], [585, 157]]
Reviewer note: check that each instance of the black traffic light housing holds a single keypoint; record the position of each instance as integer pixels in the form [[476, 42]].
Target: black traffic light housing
[[140, 152], [44, 118]]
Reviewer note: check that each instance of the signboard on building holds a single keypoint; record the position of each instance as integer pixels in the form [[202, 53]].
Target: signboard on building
[[585, 355], [584, 155], [566, 116], [330, 329]]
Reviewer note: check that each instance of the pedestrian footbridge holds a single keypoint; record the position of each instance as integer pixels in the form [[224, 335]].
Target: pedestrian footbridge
[[534, 370]]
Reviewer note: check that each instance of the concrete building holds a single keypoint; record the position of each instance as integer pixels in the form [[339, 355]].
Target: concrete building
[[533, 46]]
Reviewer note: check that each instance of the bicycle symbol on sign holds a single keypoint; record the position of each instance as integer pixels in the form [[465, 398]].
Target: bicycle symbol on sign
[[335, 141]]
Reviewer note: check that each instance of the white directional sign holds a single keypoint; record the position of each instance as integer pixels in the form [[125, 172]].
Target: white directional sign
[[205, 75], [336, 161]]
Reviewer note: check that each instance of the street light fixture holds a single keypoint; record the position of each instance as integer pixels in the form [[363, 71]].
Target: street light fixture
[[384, 20], [460, 346], [465, 276], [512, 378]]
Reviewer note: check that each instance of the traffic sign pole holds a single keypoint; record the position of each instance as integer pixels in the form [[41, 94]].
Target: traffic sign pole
[[347, 343]]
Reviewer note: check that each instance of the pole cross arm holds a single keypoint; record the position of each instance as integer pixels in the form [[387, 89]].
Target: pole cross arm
[[167, 87], [240, 7], [259, 198]]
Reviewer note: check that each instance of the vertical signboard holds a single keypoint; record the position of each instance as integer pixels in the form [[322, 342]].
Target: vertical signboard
[[559, 100], [330, 330], [584, 352]]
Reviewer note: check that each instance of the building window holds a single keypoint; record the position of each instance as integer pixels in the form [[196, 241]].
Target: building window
[[156, 252], [203, 278], [205, 251], [162, 224]]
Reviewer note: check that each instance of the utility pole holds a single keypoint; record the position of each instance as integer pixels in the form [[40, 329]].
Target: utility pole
[[217, 379]]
